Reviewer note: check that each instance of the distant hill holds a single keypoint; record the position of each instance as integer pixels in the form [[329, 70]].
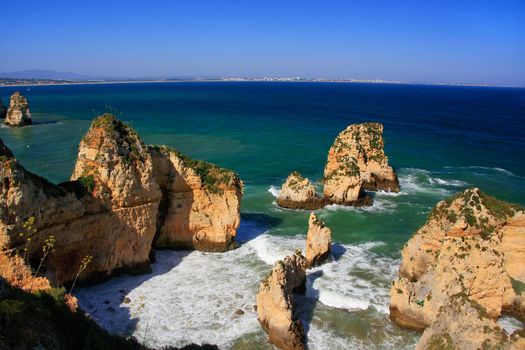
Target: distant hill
[[44, 74]]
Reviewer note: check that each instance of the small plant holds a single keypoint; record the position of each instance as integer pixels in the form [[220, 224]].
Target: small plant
[[420, 302], [47, 248], [29, 231], [83, 265], [88, 182]]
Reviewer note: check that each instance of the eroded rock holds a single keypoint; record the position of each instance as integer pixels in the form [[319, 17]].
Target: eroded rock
[[275, 305], [472, 244], [357, 162], [318, 242], [18, 113], [298, 192], [110, 209], [3, 110]]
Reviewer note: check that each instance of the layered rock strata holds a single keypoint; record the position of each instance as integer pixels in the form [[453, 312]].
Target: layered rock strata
[[122, 196], [472, 244], [18, 113], [275, 305], [201, 201], [318, 242], [357, 162], [298, 192]]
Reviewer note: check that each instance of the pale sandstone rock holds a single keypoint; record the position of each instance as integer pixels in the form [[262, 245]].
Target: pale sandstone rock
[[470, 244], [201, 204], [18, 113], [357, 162], [463, 324], [318, 242], [111, 209], [298, 192], [275, 305]]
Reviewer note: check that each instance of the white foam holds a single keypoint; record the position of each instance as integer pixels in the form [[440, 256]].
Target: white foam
[[490, 169], [274, 191], [192, 297], [452, 183], [510, 324]]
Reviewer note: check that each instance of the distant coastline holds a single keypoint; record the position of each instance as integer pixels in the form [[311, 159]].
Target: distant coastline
[[13, 82]]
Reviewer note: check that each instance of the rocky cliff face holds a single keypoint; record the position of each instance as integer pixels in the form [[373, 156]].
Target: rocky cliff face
[[18, 113], [471, 331], [3, 110], [318, 242], [275, 306], [110, 209], [298, 192], [201, 203], [357, 162], [471, 244]]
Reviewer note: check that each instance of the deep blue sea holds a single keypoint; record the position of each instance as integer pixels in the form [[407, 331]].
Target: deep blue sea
[[440, 139]]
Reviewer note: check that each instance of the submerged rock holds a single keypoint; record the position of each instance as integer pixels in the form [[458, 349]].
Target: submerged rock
[[18, 113], [357, 162], [318, 242], [298, 192], [110, 209], [472, 244], [275, 305]]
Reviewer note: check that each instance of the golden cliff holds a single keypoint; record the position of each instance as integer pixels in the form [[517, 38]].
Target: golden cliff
[[356, 162], [472, 245], [122, 197], [18, 113], [318, 242], [275, 305]]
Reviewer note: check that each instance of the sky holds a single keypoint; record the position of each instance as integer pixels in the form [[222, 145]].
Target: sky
[[477, 41]]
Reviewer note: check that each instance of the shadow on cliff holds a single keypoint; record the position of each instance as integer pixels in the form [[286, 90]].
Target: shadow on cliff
[[255, 224], [305, 303]]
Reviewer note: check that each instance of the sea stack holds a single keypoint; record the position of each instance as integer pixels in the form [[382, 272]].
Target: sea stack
[[18, 113], [3, 110], [471, 249], [318, 242], [357, 162], [298, 192], [118, 202], [275, 304]]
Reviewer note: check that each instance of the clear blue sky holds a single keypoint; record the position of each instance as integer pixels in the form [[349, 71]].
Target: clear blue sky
[[424, 40]]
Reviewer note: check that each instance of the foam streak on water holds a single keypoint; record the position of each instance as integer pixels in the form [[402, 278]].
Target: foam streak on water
[[193, 297]]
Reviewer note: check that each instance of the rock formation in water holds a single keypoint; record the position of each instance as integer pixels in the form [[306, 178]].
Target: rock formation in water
[[3, 110], [18, 113], [318, 242], [122, 196], [201, 201], [471, 244], [462, 323], [298, 192], [357, 162], [275, 305]]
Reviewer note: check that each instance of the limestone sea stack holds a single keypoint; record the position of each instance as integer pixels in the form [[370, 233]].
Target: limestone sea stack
[[275, 304], [113, 208], [318, 242], [472, 244], [18, 113], [3, 110], [298, 192], [357, 162], [201, 203]]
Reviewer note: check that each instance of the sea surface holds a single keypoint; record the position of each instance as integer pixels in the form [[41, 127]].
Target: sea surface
[[440, 139]]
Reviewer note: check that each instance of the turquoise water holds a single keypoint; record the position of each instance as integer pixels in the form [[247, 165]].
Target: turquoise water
[[440, 140]]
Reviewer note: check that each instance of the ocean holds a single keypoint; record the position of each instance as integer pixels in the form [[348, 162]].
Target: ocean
[[440, 140]]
